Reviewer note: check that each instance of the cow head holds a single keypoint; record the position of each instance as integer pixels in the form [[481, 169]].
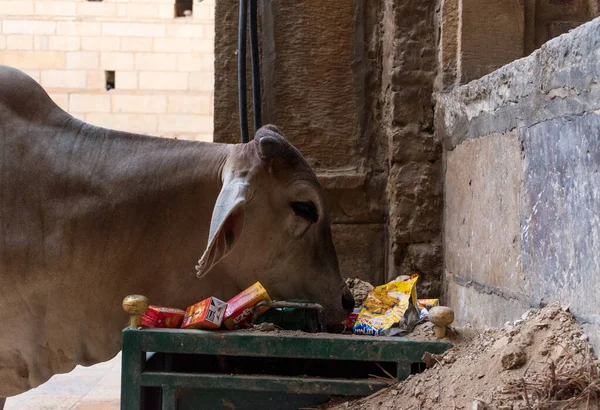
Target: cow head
[[270, 225]]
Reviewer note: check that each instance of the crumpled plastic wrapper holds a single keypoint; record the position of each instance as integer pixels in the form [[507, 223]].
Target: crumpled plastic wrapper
[[390, 309], [360, 289]]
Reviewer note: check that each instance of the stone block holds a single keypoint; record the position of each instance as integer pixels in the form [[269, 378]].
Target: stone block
[[96, 80], [424, 259], [41, 42], [155, 62], [137, 123], [190, 104], [16, 8], [82, 60], [184, 31], [96, 9], [19, 42], [151, 80], [192, 62], [504, 39], [47, 8], [126, 80], [28, 27], [481, 218], [142, 11], [415, 202], [412, 105], [38, 60], [64, 43], [203, 46], [559, 218], [166, 11], [409, 143], [100, 43], [360, 250], [63, 79], [184, 123], [354, 198], [84, 103], [116, 61], [202, 81], [2, 42], [129, 103], [172, 45], [78, 28], [133, 29], [137, 44]]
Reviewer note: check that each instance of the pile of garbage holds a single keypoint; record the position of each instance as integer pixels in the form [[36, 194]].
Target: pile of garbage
[[391, 309], [211, 313]]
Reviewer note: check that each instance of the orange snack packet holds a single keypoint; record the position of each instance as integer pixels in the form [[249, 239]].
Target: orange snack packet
[[207, 314], [162, 317], [239, 308]]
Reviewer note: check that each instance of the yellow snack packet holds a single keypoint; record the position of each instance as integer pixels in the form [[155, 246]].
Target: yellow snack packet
[[385, 306]]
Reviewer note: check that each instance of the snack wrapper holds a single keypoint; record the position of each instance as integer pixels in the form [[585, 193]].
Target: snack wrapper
[[239, 308], [162, 317], [385, 306], [207, 314], [427, 303]]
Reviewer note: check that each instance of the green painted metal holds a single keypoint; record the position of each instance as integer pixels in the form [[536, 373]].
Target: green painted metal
[[293, 385], [310, 346], [213, 389]]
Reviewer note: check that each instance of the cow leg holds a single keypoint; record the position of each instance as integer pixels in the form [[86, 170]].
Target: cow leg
[[2, 403]]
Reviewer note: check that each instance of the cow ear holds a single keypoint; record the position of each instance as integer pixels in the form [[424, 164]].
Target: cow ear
[[225, 226]]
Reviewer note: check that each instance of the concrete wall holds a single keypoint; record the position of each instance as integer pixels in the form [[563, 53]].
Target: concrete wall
[[163, 64], [522, 185]]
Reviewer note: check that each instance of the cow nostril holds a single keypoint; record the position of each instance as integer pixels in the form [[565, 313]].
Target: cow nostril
[[348, 303]]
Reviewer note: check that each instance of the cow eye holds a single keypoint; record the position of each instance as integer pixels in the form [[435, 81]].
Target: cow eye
[[306, 210]]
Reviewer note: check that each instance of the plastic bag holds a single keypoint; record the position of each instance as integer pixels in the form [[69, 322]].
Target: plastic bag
[[385, 306]]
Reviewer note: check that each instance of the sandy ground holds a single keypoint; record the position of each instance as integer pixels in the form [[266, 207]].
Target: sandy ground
[[96, 387]]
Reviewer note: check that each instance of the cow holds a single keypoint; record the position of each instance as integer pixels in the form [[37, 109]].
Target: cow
[[89, 215]]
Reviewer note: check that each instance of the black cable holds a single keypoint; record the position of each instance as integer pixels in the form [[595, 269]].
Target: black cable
[[242, 72], [255, 66]]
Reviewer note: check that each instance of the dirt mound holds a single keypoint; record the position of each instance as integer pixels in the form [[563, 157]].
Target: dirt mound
[[541, 361]]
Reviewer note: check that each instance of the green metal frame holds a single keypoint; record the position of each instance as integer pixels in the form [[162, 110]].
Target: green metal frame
[[252, 344]]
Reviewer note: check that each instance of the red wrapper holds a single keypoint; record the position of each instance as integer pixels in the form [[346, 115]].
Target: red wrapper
[[162, 317]]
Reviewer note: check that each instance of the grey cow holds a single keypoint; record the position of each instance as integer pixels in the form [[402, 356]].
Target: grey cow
[[89, 215]]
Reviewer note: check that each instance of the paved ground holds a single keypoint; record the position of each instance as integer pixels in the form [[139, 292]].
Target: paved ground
[[85, 388]]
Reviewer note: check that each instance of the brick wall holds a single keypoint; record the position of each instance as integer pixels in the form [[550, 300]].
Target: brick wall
[[164, 70]]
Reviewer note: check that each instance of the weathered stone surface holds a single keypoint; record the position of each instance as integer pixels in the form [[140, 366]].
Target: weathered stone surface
[[530, 196], [361, 251], [411, 144], [492, 34], [425, 259], [415, 202], [554, 81], [560, 212], [481, 216]]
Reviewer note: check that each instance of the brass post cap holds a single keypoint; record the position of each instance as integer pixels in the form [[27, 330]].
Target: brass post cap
[[441, 315], [135, 304]]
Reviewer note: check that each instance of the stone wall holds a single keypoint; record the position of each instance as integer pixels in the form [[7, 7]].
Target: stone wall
[[414, 156], [320, 78], [522, 185], [350, 84], [480, 36], [163, 64]]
